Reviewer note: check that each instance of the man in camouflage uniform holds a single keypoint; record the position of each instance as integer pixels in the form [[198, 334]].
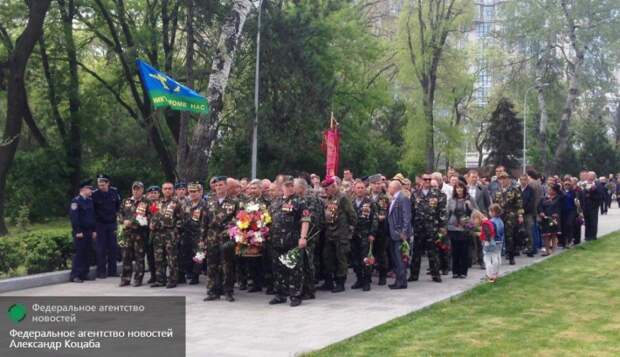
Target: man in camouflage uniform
[[289, 229], [133, 218], [312, 202], [340, 220], [191, 233], [165, 223], [180, 194], [252, 267], [363, 235], [380, 245], [509, 199], [153, 194], [221, 211], [428, 211]]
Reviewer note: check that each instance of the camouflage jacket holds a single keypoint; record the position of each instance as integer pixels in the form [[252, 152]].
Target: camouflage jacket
[[287, 214], [247, 200], [219, 216], [367, 218], [340, 217], [510, 201], [193, 218], [315, 205], [167, 214], [131, 209], [428, 212], [383, 205]]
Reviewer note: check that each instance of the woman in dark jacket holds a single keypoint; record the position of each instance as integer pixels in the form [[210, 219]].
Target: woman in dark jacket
[[550, 213], [460, 208]]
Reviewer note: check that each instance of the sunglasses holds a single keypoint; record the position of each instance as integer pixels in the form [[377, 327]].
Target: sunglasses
[[426, 179]]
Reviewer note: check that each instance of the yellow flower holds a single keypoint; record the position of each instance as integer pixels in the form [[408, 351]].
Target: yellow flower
[[243, 224], [266, 218]]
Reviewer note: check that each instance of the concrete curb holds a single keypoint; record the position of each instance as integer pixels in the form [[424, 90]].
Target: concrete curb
[[36, 280]]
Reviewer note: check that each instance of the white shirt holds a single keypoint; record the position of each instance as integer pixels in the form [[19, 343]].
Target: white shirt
[[393, 200]]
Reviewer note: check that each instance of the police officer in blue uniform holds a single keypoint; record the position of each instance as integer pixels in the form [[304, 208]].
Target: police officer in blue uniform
[[107, 203], [82, 214]]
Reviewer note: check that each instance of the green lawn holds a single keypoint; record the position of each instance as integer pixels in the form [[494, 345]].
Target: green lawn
[[568, 305]]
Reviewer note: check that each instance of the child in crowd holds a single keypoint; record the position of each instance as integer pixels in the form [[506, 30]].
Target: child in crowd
[[492, 237]]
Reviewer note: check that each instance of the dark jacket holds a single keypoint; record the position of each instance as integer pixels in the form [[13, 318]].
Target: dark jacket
[[399, 217]]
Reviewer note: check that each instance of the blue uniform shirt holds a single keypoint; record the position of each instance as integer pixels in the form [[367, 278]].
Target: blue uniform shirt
[[82, 214], [107, 205]]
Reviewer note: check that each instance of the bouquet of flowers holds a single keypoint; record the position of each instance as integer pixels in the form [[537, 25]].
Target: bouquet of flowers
[[404, 252], [370, 259], [470, 227], [199, 258], [441, 243], [291, 258], [250, 229], [122, 240]]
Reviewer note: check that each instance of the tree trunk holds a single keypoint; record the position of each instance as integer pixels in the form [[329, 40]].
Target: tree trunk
[[182, 146], [542, 128], [574, 71], [16, 94], [74, 144], [427, 104], [206, 131]]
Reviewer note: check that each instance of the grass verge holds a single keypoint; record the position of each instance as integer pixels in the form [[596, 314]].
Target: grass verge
[[568, 305]]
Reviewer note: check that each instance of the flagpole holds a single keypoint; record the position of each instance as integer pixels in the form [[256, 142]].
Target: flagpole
[[255, 126]]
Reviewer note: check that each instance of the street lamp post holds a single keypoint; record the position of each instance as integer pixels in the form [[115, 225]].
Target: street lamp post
[[255, 124]]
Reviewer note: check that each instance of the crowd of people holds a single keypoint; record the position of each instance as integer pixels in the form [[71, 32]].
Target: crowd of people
[[309, 233]]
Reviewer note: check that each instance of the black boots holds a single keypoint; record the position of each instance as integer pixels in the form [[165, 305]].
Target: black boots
[[328, 284], [339, 286]]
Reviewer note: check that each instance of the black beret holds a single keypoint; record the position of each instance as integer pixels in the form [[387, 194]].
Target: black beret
[[153, 188], [180, 184], [219, 178]]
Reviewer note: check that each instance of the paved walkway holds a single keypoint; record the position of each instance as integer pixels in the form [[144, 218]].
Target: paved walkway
[[251, 327]]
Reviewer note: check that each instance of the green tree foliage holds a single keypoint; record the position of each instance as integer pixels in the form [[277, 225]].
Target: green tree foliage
[[316, 58], [505, 138]]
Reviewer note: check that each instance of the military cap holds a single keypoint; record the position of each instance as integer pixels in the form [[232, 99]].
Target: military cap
[[194, 186], [153, 188], [374, 178], [328, 182], [103, 178], [85, 183], [137, 184], [399, 177], [364, 178], [180, 184]]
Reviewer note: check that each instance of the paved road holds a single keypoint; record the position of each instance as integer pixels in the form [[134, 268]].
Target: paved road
[[251, 327]]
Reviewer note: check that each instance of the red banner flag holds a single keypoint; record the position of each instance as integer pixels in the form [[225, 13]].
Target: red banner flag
[[331, 146]]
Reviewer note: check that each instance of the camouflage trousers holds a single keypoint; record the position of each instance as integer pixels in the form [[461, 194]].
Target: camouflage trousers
[[134, 251], [425, 243], [220, 265], [510, 225], [359, 250], [165, 248], [379, 250], [286, 282], [309, 268], [188, 247], [336, 257]]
